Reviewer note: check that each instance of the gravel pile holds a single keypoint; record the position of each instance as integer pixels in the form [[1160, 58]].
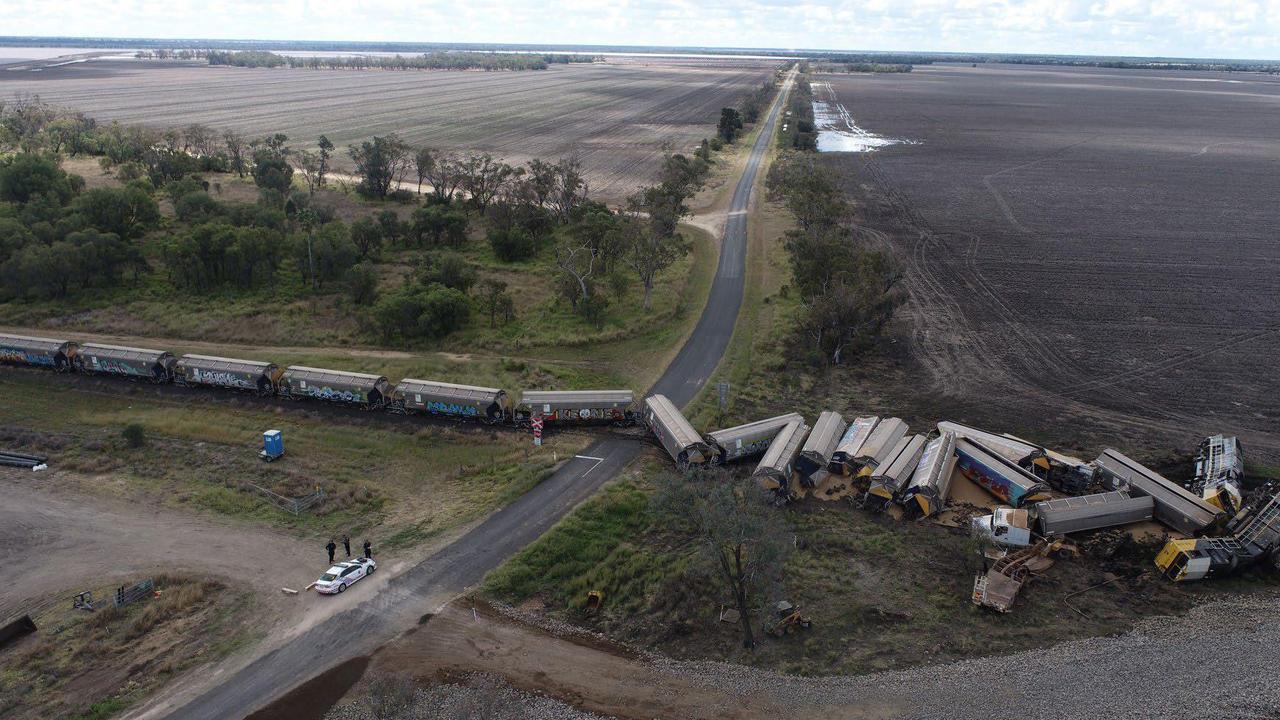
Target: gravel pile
[[1222, 660], [477, 697]]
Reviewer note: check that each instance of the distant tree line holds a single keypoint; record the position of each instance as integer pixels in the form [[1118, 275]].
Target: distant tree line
[[428, 61], [847, 292], [863, 67], [799, 131]]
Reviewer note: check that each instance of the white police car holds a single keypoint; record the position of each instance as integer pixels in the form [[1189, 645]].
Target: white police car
[[344, 574]]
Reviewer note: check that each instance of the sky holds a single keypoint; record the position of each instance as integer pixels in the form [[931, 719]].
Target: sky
[[1181, 28]]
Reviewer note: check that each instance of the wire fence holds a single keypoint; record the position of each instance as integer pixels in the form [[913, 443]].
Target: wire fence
[[288, 504], [125, 596]]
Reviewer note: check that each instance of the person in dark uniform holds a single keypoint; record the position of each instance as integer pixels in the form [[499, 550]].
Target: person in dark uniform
[[346, 544], [332, 548], [368, 550]]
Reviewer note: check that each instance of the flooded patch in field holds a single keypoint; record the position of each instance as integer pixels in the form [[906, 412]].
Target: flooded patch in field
[[837, 131]]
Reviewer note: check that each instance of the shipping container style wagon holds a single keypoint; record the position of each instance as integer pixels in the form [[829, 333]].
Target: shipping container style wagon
[[577, 406], [207, 370], [818, 447], [748, 440], [997, 474], [363, 389], [890, 478], [1090, 512], [776, 467], [442, 398], [134, 363], [855, 436], [930, 484], [1174, 505], [36, 351], [674, 433]]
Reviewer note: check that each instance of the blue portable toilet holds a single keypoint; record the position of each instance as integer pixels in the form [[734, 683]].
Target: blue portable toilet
[[272, 445]]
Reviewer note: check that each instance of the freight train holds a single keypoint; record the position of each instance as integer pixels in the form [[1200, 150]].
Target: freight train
[[297, 382]]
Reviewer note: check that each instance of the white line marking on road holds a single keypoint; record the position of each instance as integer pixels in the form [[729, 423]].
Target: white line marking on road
[[593, 467]]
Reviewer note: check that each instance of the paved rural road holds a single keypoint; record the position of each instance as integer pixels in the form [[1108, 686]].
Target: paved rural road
[[443, 576]]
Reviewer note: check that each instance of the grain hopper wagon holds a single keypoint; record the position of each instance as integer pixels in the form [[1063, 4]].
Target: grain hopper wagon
[[254, 375], [1174, 505], [335, 386], [442, 398], [138, 363], [775, 468], [1090, 512], [753, 438], [577, 406], [674, 432], [818, 447], [931, 481], [855, 436], [876, 449], [891, 477], [41, 352], [1068, 474], [997, 474]]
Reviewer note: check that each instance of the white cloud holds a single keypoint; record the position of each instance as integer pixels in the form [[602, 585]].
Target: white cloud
[[1197, 28]]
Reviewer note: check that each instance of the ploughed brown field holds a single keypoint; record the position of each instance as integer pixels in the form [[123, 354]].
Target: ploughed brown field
[[1087, 250], [616, 117]]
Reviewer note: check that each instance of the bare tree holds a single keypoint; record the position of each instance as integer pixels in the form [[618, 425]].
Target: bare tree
[[311, 166], [736, 529], [199, 140], [577, 262]]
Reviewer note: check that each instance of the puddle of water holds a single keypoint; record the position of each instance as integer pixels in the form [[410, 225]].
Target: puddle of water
[[837, 131]]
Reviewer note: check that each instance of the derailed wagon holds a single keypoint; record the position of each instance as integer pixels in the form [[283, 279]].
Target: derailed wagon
[[818, 447], [1090, 512], [1063, 472], [876, 449], [855, 436], [753, 438], [997, 474], [338, 386], [674, 432], [891, 477], [138, 363], [442, 398], [776, 467], [37, 351], [1174, 506], [577, 406], [253, 375], [931, 482]]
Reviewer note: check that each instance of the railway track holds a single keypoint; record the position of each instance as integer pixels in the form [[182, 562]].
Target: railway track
[[433, 582]]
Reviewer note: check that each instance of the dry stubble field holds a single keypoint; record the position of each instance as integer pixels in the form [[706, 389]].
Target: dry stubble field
[[616, 117], [1089, 251]]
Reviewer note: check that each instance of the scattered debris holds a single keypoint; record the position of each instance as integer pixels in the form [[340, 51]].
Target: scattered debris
[[10, 458], [1254, 537], [289, 591], [789, 620]]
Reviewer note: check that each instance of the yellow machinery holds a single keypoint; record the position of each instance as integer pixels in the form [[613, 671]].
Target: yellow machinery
[[1254, 537]]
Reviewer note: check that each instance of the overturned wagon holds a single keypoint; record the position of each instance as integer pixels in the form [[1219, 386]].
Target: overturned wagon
[[1090, 512], [577, 406], [153, 365], [931, 480], [442, 398], [817, 450], [891, 477], [299, 382], [753, 438], [1174, 506], [997, 474], [674, 432], [850, 445], [776, 467], [42, 352], [254, 375]]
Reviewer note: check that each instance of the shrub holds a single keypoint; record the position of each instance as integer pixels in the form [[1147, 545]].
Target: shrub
[[362, 281], [135, 435], [513, 245]]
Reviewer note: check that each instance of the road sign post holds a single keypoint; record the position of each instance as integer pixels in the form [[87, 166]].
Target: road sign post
[[536, 423]]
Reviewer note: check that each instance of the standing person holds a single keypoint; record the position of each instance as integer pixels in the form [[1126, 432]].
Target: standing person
[[346, 544], [332, 548], [368, 550]]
